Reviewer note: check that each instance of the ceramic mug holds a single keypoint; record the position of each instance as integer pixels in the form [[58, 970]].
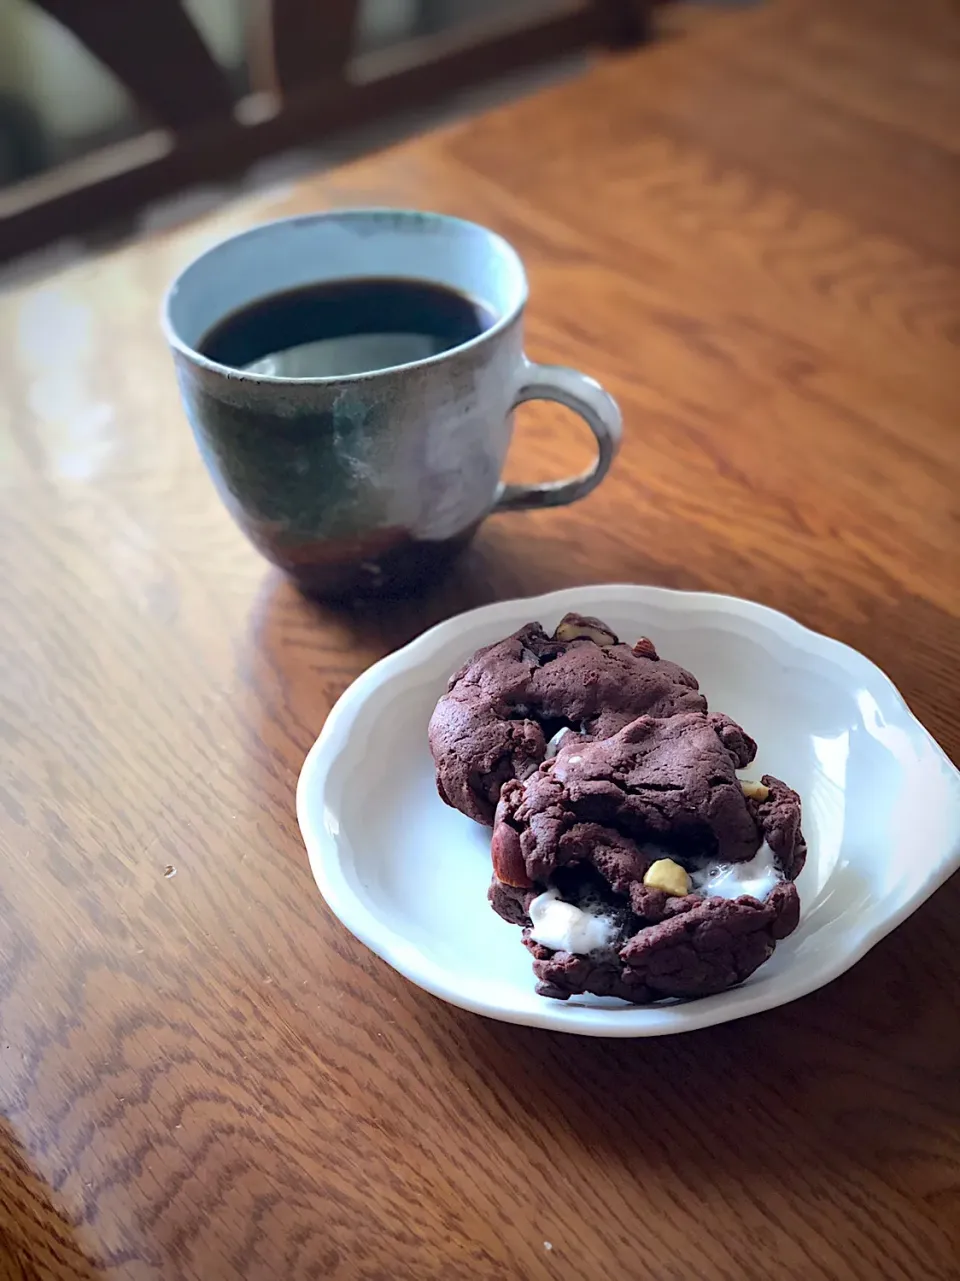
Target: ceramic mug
[[368, 481]]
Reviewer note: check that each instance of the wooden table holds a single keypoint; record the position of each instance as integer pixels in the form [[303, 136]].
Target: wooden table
[[750, 234]]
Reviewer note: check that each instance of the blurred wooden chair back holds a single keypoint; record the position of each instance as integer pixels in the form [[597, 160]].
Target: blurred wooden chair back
[[307, 86]]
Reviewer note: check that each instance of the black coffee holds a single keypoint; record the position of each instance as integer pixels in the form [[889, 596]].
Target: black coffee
[[345, 327]]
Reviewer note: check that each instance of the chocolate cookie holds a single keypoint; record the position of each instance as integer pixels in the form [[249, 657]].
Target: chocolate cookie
[[504, 706], [641, 867]]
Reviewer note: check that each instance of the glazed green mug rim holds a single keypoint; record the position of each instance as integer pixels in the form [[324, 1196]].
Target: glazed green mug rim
[[215, 259]]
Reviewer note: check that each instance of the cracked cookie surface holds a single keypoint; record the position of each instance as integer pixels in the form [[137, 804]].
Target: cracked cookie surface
[[505, 705]]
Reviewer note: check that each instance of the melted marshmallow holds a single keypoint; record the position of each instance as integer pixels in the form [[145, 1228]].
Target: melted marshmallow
[[729, 880], [568, 928], [553, 744]]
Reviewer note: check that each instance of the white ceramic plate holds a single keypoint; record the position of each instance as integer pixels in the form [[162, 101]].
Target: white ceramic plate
[[408, 876]]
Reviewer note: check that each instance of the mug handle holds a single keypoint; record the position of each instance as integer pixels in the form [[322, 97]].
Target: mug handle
[[601, 414]]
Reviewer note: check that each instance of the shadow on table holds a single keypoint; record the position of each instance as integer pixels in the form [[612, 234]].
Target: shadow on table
[[865, 1072], [36, 1239], [503, 563], [301, 654], [489, 570]]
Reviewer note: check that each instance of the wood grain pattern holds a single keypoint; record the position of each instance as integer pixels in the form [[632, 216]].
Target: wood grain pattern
[[749, 234]]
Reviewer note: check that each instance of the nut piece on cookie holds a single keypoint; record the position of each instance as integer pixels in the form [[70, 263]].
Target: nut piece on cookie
[[756, 791], [582, 627], [668, 876], [508, 864]]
